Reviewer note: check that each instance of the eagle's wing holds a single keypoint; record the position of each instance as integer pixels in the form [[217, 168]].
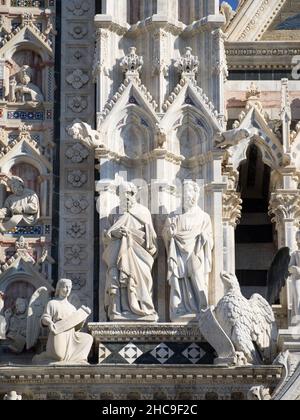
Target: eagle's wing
[[36, 309], [235, 316], [278, 275], [265, 332]]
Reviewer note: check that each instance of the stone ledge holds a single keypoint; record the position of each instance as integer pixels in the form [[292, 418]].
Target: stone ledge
[[144, 332], [95, 374], [131, 382]]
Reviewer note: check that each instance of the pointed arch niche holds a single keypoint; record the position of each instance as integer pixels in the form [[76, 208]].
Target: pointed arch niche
[[255, 236]]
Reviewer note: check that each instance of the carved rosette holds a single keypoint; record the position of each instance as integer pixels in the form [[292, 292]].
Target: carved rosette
[[285, 207], [232, 207]]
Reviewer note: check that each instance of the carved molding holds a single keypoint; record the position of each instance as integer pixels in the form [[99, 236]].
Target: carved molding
[[144, 332]]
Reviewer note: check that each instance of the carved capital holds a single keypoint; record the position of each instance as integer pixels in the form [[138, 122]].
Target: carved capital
[[285, 206], [232, 207]]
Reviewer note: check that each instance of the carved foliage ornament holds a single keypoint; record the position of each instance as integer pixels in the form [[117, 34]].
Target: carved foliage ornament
[[232, 207], [132, 64], [77, 178], [77, 153], [284, 206], [76, 229], [78, 31], [75, 255], [77, 79], [76, 204], [77, 104], [78, 7], [188, 65]]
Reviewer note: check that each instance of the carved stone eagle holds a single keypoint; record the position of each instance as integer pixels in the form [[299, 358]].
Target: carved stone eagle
[[249, 324]]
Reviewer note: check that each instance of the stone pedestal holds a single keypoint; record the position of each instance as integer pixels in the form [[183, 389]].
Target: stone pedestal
[[150, 344]]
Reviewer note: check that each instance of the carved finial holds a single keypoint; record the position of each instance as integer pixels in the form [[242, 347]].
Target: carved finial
[[188, 65], [27, 18], [132, 64], [253, 92]]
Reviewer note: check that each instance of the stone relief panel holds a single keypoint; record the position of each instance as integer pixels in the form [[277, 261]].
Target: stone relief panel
[[77, 163]]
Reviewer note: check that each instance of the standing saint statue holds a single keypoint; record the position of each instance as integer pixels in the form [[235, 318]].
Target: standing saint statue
[[294, 269], [130, 249], [189, 242]]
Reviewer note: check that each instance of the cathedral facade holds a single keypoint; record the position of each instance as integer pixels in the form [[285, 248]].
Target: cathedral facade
[[150, 154]]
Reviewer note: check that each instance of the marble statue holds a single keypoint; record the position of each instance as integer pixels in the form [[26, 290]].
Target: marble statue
[[85, 134], [2, 318], [25, 90], [294, 270], [65, 345], [231, 137], [16, 319], [189, 242], [130, 248], [259, 393], [22, 206], [249, 324], [12, 396]]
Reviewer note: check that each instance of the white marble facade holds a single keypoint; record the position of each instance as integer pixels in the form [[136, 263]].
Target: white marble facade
[[144, 100]]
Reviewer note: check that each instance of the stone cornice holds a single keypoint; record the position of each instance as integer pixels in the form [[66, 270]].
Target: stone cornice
[[154, 23], [266, 54], [206, 24], [38, 375], [107, 22]]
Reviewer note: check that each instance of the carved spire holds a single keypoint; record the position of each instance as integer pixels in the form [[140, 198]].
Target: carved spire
[[132, 64], [286, 115], [188, 65]]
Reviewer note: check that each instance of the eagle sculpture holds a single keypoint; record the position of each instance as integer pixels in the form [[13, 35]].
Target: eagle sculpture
[[249, 324]]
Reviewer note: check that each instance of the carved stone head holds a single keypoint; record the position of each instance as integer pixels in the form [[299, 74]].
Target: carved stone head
[[20, 306], [63, 288], [191, 193], [16, 185], [128, 192], [25, 75]]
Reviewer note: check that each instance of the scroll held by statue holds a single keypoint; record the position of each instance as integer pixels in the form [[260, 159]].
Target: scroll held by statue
[[73, 321]]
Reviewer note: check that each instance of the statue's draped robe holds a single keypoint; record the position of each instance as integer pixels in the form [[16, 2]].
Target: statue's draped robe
[[22, 208], [133, 257], [67, 347], [16, 331], [2, 327], [189, 261], [295, 296]]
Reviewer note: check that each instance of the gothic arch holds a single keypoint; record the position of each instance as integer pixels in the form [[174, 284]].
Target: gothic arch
[[190, 133], [133, 135]]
